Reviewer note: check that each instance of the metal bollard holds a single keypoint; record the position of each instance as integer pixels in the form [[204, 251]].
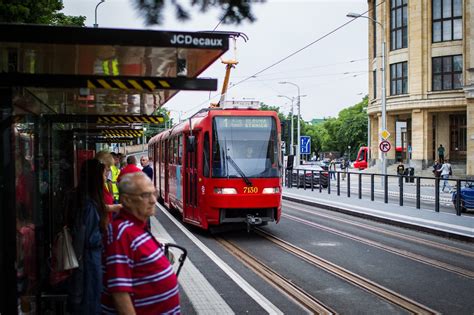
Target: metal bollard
[[400, 184], [418, 206], [360, 185], [329, 186], [297, 179], [338, 184], [437, 181], [320, 186], [458, 197], [304, 180], [348, 184], [312, 180], [372, 195]]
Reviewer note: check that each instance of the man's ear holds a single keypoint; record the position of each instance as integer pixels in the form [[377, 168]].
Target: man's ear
[[124, 199]]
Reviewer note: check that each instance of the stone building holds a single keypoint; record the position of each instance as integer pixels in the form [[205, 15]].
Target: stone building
[[429, 80]]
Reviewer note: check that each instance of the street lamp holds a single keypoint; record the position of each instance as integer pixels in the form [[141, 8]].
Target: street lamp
[[95, 24], [384, 96], [299, 124], [292, 128]]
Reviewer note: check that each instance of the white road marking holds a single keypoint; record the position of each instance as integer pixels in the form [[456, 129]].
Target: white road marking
[[204, 298]]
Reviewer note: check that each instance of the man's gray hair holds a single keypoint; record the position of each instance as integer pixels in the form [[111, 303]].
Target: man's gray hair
[[128, 183]]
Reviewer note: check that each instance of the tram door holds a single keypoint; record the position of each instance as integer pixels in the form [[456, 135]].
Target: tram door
[[191, 179]]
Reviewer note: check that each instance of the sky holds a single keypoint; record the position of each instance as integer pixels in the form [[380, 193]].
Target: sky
[[331, 72]]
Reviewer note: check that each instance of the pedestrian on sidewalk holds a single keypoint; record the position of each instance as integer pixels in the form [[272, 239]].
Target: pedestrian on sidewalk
[[344, 166], [441, 153], [436, 169], [400, 172], [445, 172], [332, 169]]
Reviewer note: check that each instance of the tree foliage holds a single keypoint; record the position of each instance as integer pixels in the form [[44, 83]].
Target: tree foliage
[[337, 134], [37, 12], [232, 11]]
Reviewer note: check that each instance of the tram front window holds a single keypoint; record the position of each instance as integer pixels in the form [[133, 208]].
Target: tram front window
[[249, 142]]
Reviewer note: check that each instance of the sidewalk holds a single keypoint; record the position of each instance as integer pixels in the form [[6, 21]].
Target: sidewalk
[[439, 223]]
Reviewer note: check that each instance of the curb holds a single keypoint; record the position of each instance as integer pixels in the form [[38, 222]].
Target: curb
[[391, 221]]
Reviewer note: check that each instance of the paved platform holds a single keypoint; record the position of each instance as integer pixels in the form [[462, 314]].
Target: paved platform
[[440, 223]]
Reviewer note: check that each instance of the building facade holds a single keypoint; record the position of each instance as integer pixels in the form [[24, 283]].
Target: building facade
[[429, 79]]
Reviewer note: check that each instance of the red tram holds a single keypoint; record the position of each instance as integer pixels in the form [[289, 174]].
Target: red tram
[[221, 166]]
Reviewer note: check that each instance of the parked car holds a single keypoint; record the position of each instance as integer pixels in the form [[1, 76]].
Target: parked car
[[467, 197], [305, 172]]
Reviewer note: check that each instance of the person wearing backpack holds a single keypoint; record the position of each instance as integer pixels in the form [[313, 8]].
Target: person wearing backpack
[[445, 172]]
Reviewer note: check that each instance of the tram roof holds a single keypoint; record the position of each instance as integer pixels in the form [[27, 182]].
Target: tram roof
[[97, 71]]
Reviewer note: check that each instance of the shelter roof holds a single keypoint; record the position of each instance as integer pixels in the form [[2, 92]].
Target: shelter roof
[[97, 71]]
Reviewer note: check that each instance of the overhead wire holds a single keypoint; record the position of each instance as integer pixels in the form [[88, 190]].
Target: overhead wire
[[284, 58]]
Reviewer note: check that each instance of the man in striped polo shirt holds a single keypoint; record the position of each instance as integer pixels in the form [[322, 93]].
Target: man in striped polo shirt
[[138, 277]]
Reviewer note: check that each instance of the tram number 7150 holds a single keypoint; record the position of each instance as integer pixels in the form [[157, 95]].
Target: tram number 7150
[[250, 190]]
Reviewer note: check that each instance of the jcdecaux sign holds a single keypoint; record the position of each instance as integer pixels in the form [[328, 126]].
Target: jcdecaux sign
[[196, 41]]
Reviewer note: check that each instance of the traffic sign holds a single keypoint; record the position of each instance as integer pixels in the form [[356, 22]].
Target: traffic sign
[[385, 134], [385, 146], [305, 144]]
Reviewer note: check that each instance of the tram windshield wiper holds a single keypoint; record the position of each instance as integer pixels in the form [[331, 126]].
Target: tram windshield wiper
[[239, 170]]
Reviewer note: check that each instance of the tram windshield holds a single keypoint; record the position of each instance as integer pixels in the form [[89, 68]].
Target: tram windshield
[[244, 146]]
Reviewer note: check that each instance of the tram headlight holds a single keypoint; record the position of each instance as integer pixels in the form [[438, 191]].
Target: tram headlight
[[272, 190], [225, 191]]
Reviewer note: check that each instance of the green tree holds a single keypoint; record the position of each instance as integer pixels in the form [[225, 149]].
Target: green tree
[[37, 12], [337, 134], [354, 127], [232, 11]]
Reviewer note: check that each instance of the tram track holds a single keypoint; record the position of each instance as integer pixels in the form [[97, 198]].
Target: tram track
[[299, 295], [410, 238], [374, 288], [403, 253]]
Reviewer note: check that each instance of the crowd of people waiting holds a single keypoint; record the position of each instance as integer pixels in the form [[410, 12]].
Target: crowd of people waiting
[[122, 267]]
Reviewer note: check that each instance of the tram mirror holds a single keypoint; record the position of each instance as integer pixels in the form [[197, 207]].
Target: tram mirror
[[191, 143]]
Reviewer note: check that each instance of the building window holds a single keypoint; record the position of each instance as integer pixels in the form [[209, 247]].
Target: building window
[[398, 78], [374, 79], [447, 73], [398, 24], [447, 20]]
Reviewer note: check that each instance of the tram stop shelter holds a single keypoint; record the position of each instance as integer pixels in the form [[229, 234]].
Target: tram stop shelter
[[63, 89]]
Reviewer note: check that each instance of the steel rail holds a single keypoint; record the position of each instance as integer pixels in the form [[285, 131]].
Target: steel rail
[[364, 283], [410, 238], [298, 294], [400, 252]]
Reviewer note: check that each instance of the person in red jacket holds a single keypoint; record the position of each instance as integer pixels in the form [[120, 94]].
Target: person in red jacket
[[130, 168]]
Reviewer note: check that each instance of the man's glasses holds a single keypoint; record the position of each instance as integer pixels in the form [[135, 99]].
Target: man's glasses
[[145, 195]]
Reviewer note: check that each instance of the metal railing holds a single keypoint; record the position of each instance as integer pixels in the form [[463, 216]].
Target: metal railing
[[309, 179]]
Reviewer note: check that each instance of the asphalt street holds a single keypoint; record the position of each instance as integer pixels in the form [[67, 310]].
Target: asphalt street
[[433, 271]]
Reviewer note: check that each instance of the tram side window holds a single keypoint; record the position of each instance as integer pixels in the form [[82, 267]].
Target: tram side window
[[175, 151], [180, 150], [170, 151], [163, 152], [205, 156]]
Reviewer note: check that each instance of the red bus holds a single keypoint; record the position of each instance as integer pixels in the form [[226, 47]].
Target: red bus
[[221, 166]]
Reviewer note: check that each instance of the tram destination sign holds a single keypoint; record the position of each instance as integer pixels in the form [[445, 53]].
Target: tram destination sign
[[244, 122]]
